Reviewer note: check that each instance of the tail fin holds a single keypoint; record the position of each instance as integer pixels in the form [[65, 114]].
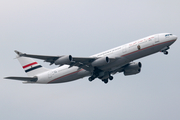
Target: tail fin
[[30, 66]]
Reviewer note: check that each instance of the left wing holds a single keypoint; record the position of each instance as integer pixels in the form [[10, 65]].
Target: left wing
[[29, 79], [87, 63]]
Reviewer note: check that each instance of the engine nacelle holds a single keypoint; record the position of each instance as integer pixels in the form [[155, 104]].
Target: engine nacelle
[[64, 60], [100, 62], [132, 69]]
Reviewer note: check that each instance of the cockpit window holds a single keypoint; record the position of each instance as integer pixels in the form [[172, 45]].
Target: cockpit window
[[168, 35]]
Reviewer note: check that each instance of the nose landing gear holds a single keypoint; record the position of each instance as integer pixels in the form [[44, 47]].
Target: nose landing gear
[[164, 50]]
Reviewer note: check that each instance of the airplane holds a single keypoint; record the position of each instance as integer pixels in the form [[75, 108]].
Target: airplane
[[102, 65]]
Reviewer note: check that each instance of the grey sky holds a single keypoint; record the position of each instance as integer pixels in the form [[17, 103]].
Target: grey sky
[[84, 28]]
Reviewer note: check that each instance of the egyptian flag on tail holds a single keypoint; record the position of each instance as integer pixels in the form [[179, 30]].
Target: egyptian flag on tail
[[30, 66]]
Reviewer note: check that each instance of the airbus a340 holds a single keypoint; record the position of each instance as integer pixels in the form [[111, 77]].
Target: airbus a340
[[102, 65]]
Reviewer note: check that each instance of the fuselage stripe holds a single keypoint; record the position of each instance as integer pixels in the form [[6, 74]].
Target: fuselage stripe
[[33, 68], [30, 64], [65, 75]]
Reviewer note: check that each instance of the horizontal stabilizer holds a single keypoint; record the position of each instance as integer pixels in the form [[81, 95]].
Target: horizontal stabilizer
[[31, 79]]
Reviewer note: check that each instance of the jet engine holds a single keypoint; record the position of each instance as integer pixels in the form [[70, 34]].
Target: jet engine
[[100, 62], [64, 60], [133, 68]]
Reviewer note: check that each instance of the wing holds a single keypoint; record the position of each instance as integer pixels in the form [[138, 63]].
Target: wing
[[86, 63], [29, 79], [50, 59]]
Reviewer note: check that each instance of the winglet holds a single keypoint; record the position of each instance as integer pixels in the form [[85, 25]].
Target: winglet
[[19, 53]]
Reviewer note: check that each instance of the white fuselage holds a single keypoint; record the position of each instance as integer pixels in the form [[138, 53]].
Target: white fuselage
[[126, 53]]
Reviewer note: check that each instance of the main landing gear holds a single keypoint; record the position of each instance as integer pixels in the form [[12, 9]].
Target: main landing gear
[[91, 78], [102, 75], [104, 80], [110, 77]]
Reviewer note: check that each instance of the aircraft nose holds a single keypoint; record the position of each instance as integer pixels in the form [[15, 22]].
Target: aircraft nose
[[175, 37]]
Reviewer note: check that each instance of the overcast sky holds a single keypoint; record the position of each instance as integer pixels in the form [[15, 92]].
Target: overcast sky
[[84, 28]]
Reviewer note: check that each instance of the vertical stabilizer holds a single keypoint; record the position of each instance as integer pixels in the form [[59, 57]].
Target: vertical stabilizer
[[30, 66]]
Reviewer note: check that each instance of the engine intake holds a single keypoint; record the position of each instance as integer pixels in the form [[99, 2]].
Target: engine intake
[[133, 68], [100, 62], [64, 60]]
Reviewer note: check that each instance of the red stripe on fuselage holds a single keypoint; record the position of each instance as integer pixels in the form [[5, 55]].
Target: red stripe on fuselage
[[30, 64]]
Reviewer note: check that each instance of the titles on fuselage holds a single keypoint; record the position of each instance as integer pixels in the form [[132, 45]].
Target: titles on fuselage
[[140, 41]]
